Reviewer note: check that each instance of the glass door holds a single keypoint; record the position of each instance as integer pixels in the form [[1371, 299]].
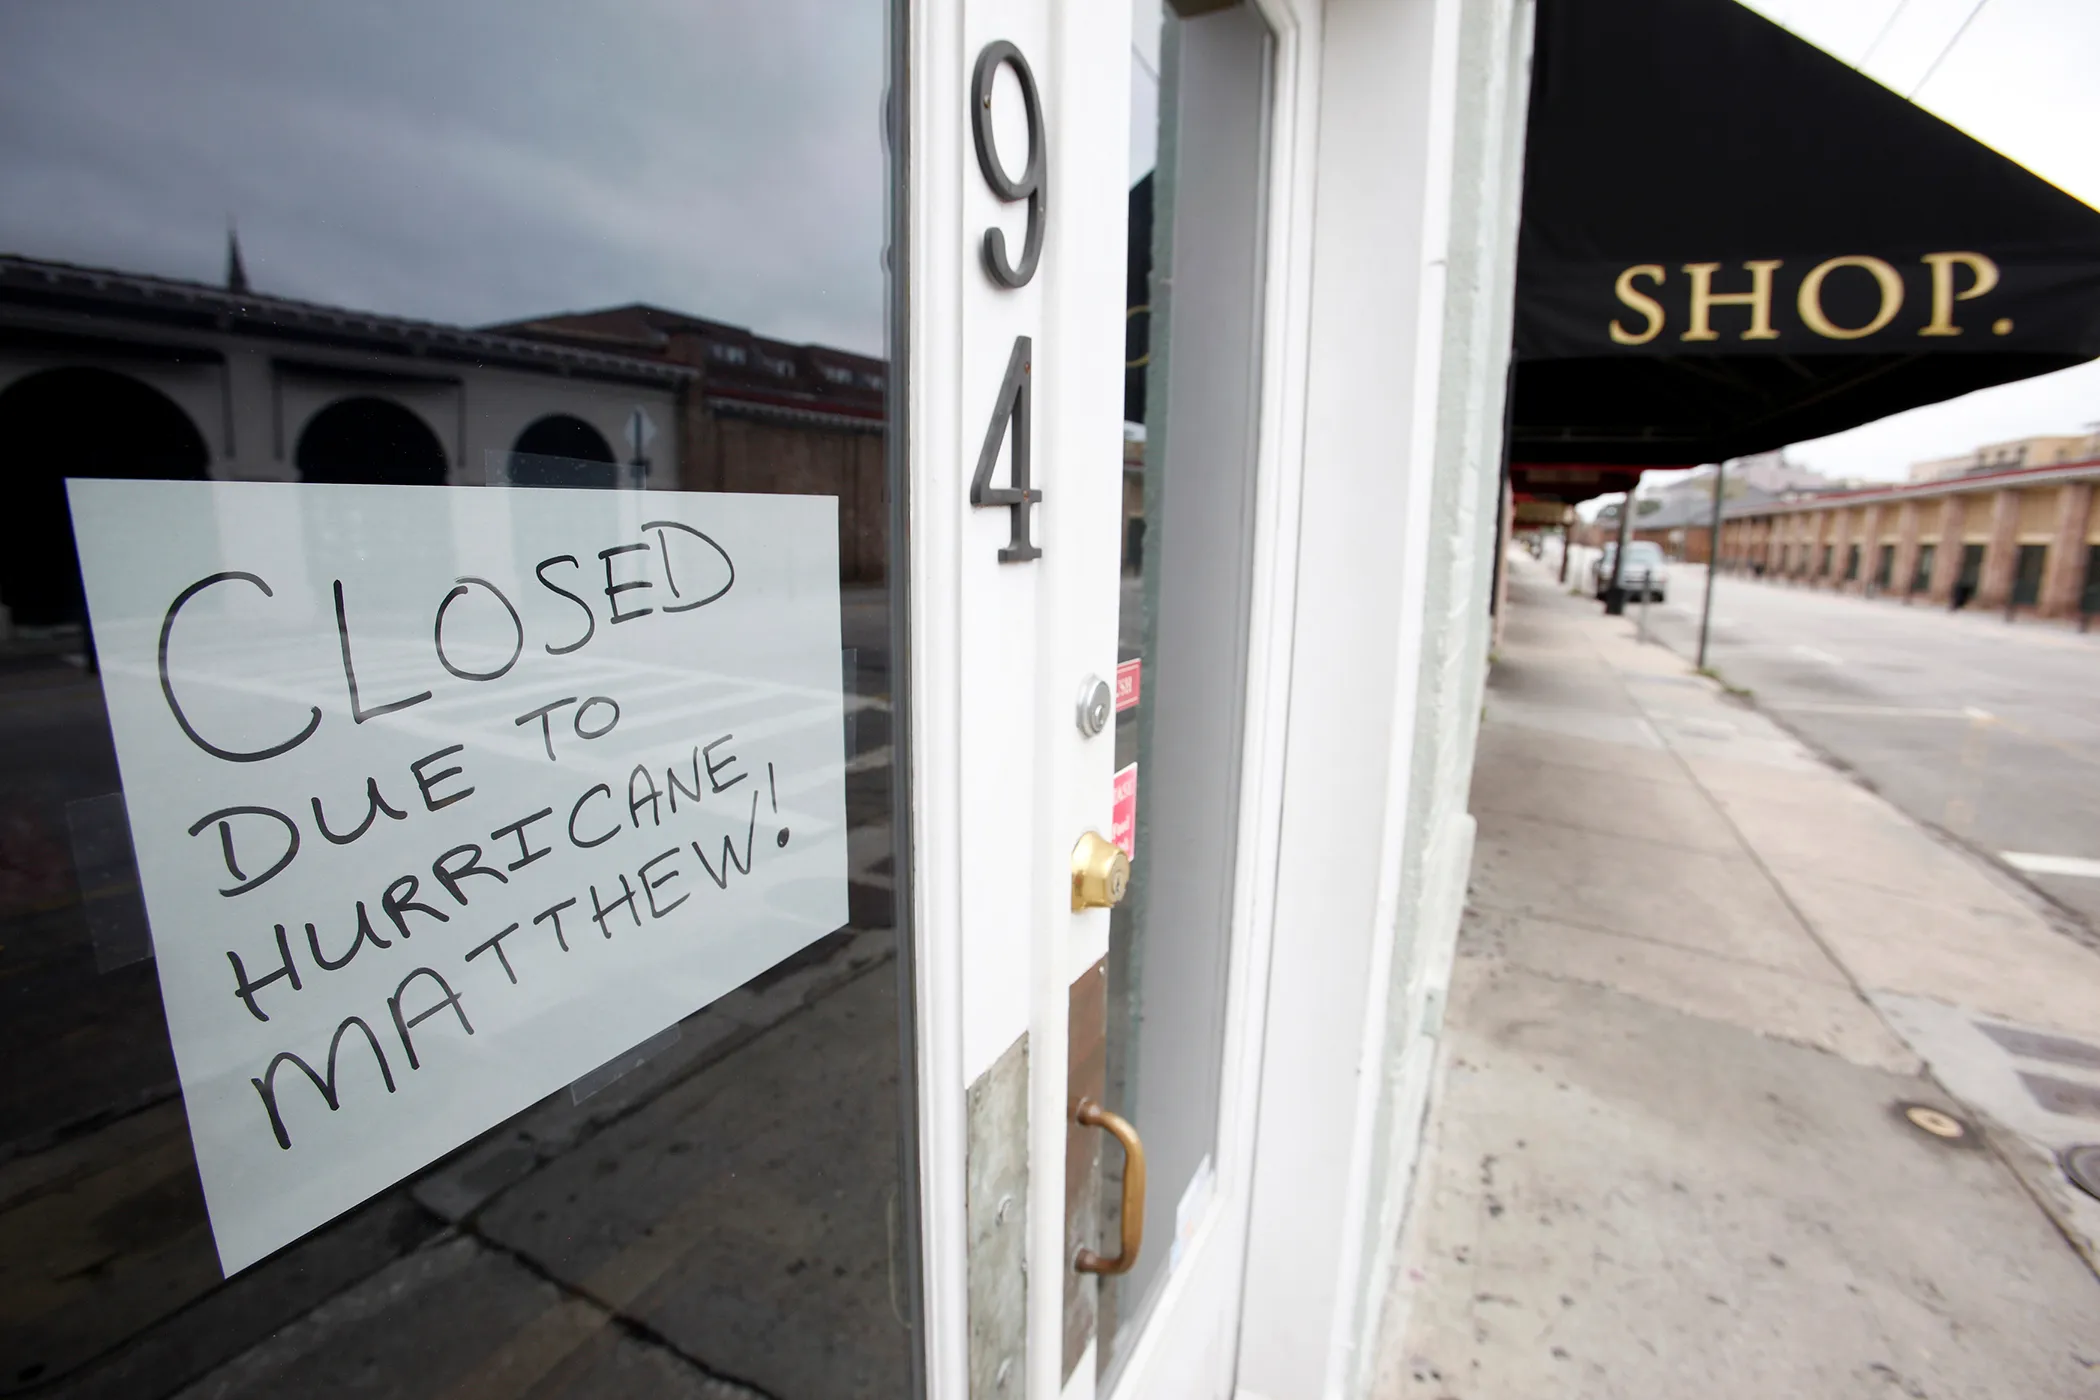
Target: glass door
[[450, 941], [1092, 741], [1192, 397]]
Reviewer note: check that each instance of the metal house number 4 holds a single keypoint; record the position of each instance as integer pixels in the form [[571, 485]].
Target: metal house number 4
[[1011, 412]]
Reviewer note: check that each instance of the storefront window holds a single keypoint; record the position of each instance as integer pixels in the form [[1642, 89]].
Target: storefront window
[[447, 853]]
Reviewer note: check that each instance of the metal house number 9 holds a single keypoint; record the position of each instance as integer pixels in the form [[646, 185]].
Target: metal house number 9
[[1011, 411]]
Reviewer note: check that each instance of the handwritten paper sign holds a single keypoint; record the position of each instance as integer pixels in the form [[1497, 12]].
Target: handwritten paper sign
[[443, 797]]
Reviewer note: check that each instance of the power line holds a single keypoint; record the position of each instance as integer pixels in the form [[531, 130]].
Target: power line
[[1886, 25], [1949, 48]]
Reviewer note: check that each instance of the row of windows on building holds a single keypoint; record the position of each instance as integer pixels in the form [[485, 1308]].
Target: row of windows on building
[[782, 367], [2030, 566]]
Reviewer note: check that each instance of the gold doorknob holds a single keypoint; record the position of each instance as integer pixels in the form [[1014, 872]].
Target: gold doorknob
[[1100, 873]]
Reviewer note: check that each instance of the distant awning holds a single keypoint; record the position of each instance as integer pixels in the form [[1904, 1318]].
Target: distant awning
[[1731, 241]]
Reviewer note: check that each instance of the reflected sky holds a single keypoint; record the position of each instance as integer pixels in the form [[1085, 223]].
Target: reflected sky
[[463, 162]]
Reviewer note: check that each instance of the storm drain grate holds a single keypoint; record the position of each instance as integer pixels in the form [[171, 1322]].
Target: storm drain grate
[[2082, 1165]]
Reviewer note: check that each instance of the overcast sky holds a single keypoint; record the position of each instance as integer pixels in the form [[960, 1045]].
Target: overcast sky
[[485, 161], [462, 162], [2022, 80]]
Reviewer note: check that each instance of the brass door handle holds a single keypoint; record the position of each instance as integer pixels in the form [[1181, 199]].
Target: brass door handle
[[1093, 1115]]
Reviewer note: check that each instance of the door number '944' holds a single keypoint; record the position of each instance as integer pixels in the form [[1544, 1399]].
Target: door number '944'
[[1010, 413]]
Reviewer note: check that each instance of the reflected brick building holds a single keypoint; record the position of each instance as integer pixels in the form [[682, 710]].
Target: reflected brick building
[[756, 414], [115, 374], [2025, 538]]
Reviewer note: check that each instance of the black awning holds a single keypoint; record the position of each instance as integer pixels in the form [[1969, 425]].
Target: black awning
[[1731, 241]]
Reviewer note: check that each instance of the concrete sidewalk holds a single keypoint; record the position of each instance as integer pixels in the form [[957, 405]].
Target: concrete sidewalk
[[1699, 972]]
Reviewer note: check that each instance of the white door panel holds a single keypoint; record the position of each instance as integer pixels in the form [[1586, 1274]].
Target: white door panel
[[1006, 779]]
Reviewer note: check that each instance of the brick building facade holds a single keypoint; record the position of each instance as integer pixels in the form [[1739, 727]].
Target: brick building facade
[[760, 415], [2023, 539]]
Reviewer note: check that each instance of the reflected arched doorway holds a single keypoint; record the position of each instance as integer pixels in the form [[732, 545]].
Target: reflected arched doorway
[[562, 450], [76, 422], [369, 441]]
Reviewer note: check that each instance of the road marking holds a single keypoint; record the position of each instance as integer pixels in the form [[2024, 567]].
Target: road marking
[[1880, 711], [2035, 864], [1817, 654]]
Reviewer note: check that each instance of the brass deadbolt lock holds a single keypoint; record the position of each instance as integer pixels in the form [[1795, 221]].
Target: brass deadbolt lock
[[1100, 873]]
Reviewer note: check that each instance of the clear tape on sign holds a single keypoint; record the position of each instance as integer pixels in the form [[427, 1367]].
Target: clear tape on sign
[[623, 1064]]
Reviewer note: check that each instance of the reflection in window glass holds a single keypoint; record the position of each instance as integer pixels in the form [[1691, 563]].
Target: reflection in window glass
[[466, 246]]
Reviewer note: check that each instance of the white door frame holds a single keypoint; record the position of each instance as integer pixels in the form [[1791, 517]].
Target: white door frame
[[1420, 108], [996, 945], [1188, 1344], [1357, 357], [1001, 780]]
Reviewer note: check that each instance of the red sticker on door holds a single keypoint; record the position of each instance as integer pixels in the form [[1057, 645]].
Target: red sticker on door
[[1128, 674], [1122, 813]]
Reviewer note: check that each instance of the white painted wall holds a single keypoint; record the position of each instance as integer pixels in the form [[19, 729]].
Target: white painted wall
[[1436, 856], [1420, 131]]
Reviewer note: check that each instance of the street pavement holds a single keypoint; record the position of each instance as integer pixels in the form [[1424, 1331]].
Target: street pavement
[[1987, 731], [1701, 973]]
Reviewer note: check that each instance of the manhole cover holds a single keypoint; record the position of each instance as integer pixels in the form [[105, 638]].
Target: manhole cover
[[1938, 1122], [2082, 1165]]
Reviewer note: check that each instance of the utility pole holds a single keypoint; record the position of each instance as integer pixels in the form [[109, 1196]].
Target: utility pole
[[1567, 545], [1615, 596], [1713, 564]]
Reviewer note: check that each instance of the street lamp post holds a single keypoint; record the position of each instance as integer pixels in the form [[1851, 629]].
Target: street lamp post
[[1713, 564], [1615, 596]]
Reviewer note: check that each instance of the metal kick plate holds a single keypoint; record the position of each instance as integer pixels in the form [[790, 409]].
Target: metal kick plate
[[1086, 1076], [997, 1219]]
